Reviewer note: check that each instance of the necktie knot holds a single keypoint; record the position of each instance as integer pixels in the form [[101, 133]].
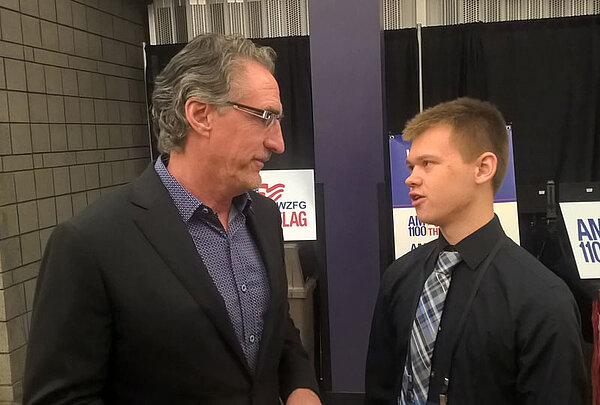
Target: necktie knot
[[446, 261]]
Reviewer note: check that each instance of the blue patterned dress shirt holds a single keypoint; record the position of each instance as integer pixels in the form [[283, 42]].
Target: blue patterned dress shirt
[[231, 257]]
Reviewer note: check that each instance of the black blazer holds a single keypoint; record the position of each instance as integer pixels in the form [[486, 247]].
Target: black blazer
[[125, 312]]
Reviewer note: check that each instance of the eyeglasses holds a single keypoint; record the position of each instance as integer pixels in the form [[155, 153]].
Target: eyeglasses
[[269, 117]]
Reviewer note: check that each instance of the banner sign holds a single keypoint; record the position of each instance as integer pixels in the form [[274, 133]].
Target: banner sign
[[582, 220], [294, 193], [409, 232]]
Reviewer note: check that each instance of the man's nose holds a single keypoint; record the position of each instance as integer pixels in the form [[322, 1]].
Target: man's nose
[[274, 139], [412, 179]]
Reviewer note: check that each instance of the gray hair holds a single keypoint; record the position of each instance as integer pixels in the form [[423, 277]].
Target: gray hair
[[202, 69]]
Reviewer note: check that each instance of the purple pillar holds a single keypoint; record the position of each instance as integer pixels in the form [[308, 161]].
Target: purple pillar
[[346, 64]]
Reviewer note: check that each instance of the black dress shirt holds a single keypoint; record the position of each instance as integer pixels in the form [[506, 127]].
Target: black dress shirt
[[521, 342]]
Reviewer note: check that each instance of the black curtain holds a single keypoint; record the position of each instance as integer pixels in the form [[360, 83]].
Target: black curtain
[[544, 75], [401, 78], [292, 74]]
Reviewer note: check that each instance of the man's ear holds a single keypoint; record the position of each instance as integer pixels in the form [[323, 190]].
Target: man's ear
[[197, 115], [487, 163]]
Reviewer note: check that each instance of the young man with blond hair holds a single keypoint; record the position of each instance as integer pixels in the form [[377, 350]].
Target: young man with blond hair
[[470, 318]]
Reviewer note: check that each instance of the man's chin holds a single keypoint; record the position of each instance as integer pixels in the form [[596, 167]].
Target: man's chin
[[254, 182], [426, 219], [420, 214]]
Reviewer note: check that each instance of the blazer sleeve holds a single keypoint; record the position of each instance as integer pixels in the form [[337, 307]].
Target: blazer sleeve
[[381, 374], [69, 339], [550, 359]]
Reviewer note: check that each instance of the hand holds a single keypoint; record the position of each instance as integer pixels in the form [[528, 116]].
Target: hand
[[303, 396]]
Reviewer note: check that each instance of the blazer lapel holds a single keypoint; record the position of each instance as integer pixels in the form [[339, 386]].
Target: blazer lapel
[[161, 223], [266, 234]]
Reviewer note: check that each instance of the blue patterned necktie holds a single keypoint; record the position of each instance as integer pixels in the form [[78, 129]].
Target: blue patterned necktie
[[415, 382]]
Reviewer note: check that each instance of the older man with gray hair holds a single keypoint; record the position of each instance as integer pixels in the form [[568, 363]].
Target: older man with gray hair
[[173, 289]]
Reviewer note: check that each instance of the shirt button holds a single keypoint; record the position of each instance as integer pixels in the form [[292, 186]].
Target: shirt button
[[252, 338], [205, 210], [244, 288], [432, 373]]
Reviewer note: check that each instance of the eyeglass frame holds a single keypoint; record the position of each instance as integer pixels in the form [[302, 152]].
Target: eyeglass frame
[[269, 117]]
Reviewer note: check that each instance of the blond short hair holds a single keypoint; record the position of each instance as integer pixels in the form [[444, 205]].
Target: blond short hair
[[477, 127]]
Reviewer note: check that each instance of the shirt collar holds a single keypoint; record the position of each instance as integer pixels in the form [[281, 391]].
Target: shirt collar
[[475, 247], [184, 201]]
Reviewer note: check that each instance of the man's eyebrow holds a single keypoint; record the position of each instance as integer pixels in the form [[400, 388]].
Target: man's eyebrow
[[421, 158], [274, 110]]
